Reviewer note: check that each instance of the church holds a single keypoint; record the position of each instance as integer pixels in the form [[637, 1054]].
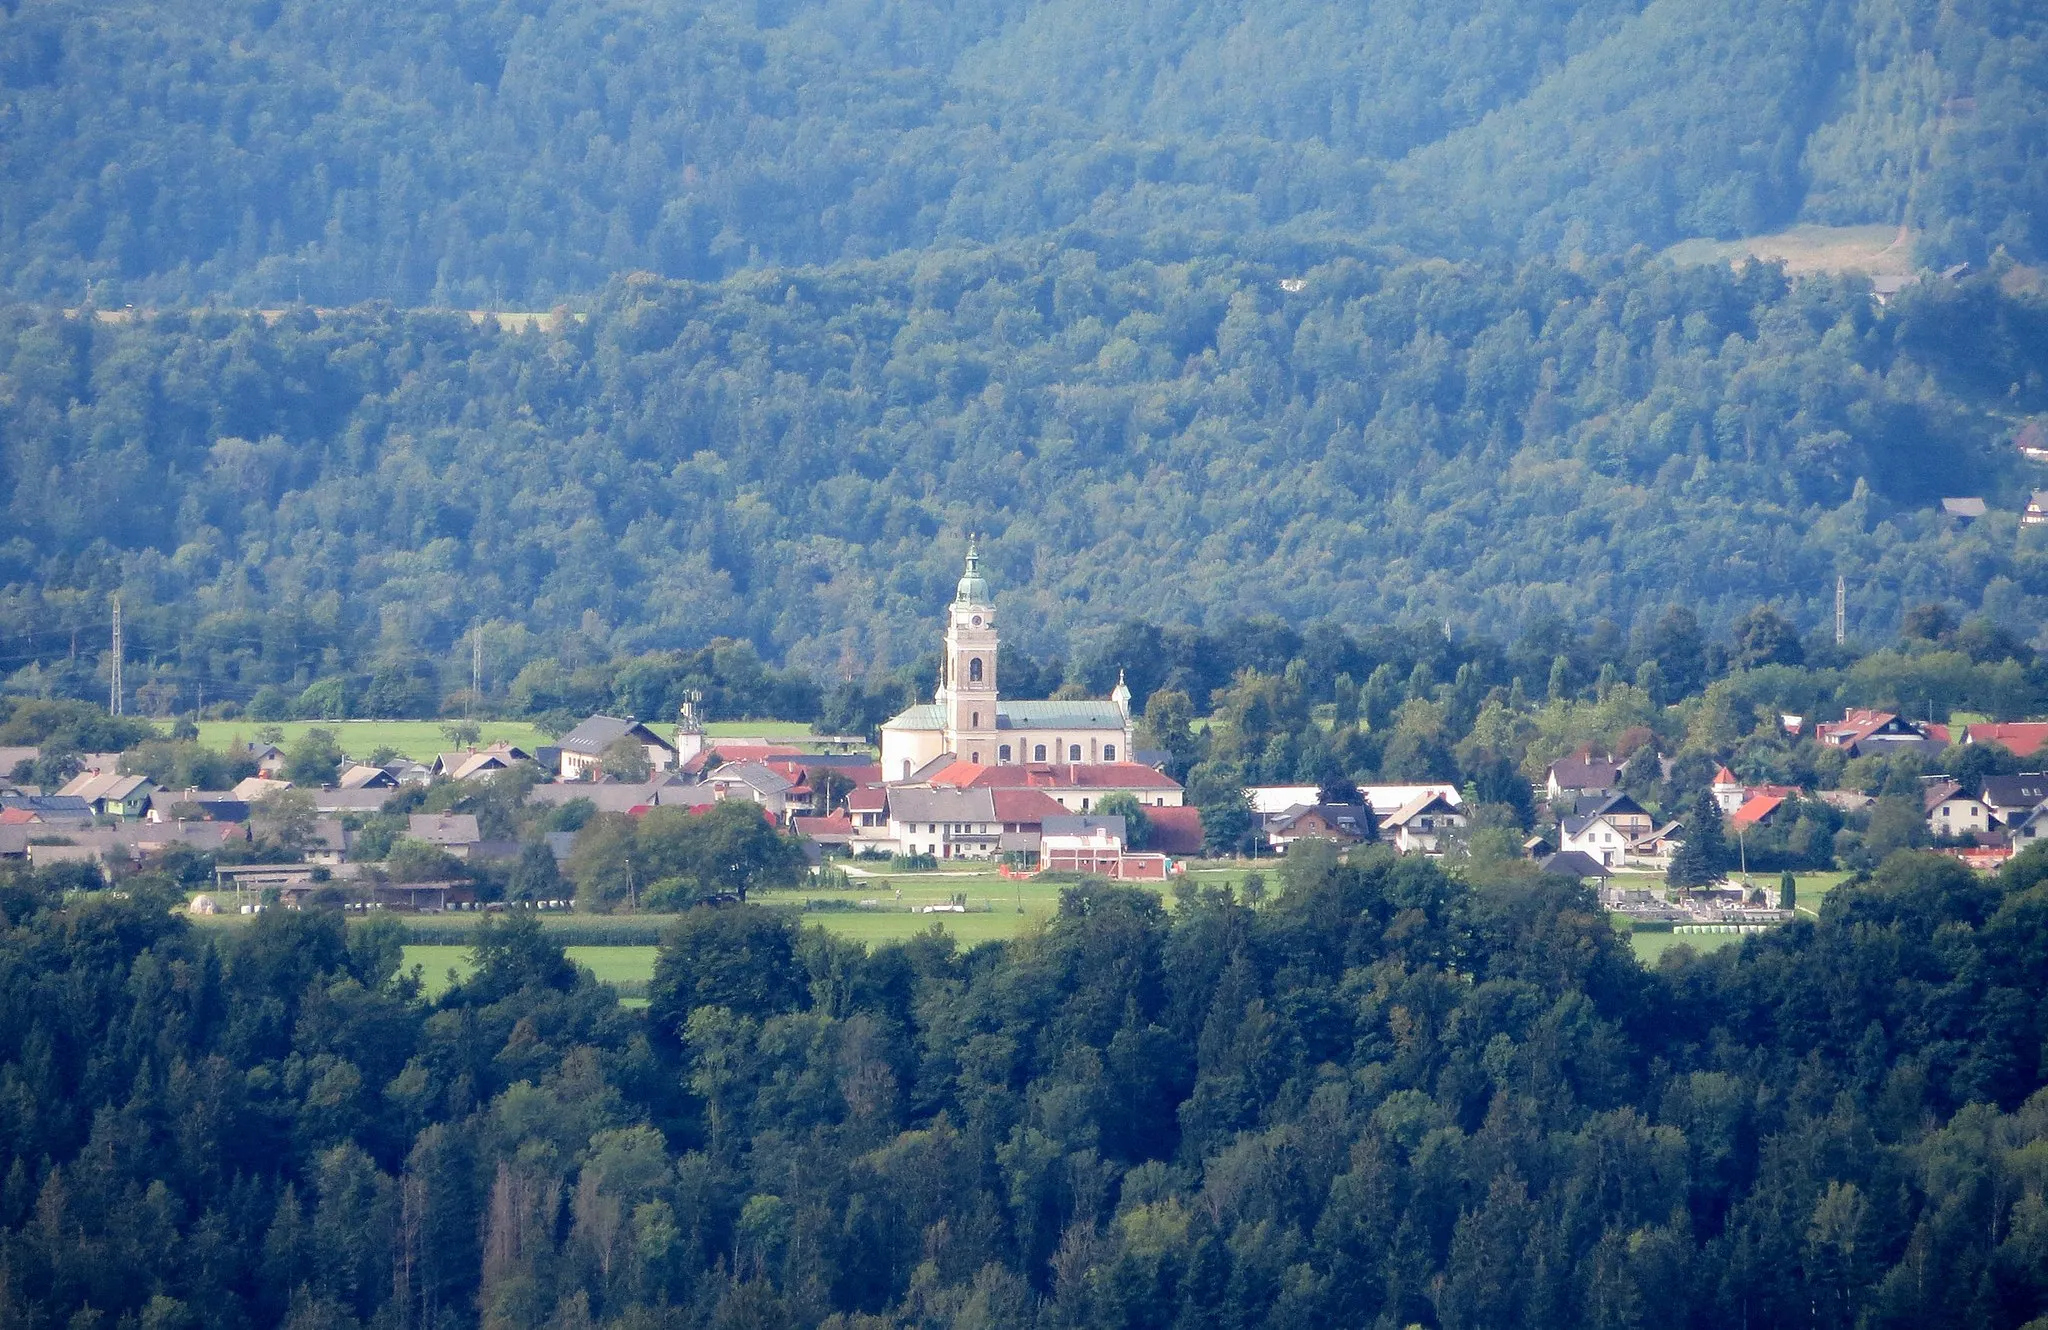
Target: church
[[969, 721]]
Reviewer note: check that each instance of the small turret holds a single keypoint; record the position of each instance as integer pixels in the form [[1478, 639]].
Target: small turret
[[973, 588], [1121, 695], [689, 729]]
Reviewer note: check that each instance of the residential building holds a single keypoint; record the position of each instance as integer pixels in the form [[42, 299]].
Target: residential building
[[1729, 792], [1953, 811], [111, 795], [1096, 845], [583, 748], [363, 776], [1574, 864], [2036, 513], [456, 833], [1880, 731], [1345, 823], [1424, 826], [48, 809], [2013, 799], [968, 717], [751, 780], [1272, 800], [2023, 738], [1597, 837], [1756, 811], [946, 824], [1582, 774]]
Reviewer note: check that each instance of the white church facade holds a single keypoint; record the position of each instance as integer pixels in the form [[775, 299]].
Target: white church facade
[[968, 720]]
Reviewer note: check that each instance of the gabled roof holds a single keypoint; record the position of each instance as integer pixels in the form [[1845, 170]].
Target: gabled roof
[[867, 799], [1970, 507], [1347, 818], [1418, 806], [1070, 824], [363, 776], [754, 775], [598, 733], [910, 804], [1176, 831], [834, 827], [1755, 809], [1619, 805], [94, 787], [2023, 791], [1938, 793], [51, 807], [2023, 737], [1023, 806], [1573, 863], [444, 828], [1059, 716], [1585, 773]]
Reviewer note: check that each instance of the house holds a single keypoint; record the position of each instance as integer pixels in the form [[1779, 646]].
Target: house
[[583, 748], [12, 757], [198, 806], [1597, 837], [1075, 786], [1425, 825], [479, 762], [750, 780], [363, 776], [2013, 799], [1952, 811], [1622, 812], [946, 824], [2023, 738], [1176, 832], [62, 810], [1574, 864], [2036, 513], [1538, 847], [1095, 845], [455, 833], [1346, 823], [1272, 800], [269, 758], [371, 800], [867, 807], [111, 795], [1387, 800], [254, 788], [1582, 774], [614, 797], [1656, 848], [835, 830], [1963, 510], [1756, 811], [1879, 732], [328, 843]]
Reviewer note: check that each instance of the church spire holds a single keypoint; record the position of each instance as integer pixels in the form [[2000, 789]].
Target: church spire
[[973, 588]]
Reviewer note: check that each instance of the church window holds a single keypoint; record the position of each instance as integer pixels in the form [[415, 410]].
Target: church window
[[1109, 752], [974, 670], [1003, 753], [1073, 752], [1038, 753], [975, 724]]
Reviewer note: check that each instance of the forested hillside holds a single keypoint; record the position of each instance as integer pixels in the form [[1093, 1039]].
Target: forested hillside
[[513, 152], [1385, 1098], [793, 459]]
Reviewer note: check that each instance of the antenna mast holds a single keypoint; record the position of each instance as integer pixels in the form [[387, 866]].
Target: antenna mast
[[115, 690], [1841, 608], [476, 664]]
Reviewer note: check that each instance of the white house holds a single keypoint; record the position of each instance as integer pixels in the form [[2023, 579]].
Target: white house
[[1424, 825]]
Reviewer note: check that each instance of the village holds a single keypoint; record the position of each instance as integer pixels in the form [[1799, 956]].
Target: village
[[969, 781]]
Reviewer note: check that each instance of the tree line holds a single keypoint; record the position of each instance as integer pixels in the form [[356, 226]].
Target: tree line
[[1384, 1096]]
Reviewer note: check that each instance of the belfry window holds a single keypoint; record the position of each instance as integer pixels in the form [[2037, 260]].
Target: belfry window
[[974, 671]]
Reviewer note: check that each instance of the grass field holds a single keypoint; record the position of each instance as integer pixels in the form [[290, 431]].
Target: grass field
[[611, 965], [416, 739], [1877, 251]]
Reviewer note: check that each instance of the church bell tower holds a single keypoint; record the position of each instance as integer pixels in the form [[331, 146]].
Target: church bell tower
[[967, 685]]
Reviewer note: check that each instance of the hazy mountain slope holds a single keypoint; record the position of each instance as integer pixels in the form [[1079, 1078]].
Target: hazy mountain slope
[[793, 457], [475, 152]]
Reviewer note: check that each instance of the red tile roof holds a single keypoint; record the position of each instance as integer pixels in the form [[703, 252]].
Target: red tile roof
[[1025, 807], [1756, 808], [867, 799], [2022, 737], [1055, 776], [1176, 831]]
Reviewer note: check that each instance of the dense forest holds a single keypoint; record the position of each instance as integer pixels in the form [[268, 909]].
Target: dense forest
[[511, 153], [791, 460], [1384, 1098]]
